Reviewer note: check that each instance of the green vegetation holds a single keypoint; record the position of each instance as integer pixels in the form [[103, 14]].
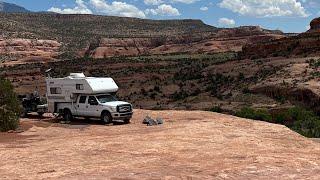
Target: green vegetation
[[216, 109], [314, 63], [256, 114], [303, 121], [217, 58], [9, 107]]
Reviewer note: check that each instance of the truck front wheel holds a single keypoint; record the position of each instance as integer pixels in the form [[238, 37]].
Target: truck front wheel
[[126, 121], [106, 117], [67, 115]]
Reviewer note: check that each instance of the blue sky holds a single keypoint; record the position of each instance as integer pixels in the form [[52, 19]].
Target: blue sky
[[286, 15]]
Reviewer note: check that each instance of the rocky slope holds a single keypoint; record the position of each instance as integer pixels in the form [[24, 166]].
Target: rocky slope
[[225, 40], [200, 81], [17, 51], [302, 45], [190, 145], [118, 36]]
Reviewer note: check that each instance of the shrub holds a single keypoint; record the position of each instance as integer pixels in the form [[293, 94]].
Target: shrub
[[9, 107], [177, 96], [303, 121], [259, 114], [217, 109]]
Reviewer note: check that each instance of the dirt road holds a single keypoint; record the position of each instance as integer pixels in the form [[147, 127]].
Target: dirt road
[[190, 145]]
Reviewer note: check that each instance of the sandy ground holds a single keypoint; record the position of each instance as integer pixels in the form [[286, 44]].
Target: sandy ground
[[190, 145]]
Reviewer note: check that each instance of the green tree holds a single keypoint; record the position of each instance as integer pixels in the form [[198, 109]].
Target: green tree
[[9, 107]]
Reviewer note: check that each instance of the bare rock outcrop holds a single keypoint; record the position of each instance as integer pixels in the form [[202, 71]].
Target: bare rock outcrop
[[192, 145], [223, 41], [315, 25], [28, 50], [304, 44]]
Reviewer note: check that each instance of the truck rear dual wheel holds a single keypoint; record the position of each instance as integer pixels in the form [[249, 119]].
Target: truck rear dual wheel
[[67, 115], [106, 117]]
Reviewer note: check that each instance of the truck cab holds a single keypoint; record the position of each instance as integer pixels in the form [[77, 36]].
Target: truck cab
[[104, 106]]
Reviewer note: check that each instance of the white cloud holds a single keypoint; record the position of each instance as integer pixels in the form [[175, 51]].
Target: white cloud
[[117, 9], [185, 1], [204, 8], [164, 10], [225, 22], [81, 8], [308, 27], [265, 8], [153, 2]]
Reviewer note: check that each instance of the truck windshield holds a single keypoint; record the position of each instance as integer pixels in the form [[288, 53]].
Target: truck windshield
[[106, 98]]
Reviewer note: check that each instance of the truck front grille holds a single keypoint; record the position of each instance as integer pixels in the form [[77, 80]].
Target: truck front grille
[[124, 108]]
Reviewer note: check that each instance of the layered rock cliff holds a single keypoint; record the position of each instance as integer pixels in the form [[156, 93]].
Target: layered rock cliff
[[14, 51]]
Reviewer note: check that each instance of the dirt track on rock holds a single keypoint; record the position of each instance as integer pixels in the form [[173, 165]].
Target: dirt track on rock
[[190, 145]]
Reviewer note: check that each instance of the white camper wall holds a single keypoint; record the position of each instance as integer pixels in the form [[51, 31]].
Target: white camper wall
[[102, 85]]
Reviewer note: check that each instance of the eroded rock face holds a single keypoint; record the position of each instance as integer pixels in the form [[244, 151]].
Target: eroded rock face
[[224, 40], [304, 44], [28, 50], [122, 47], [315, 25]]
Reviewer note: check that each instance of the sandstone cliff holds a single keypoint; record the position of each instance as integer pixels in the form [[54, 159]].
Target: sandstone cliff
[[16, 51], [302, 45], [224, 40]]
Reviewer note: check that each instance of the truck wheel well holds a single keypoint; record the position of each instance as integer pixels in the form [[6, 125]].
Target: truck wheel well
[[105, 111]]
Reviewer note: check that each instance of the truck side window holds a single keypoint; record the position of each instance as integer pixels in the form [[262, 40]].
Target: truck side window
[[92, 100], [83, 99]]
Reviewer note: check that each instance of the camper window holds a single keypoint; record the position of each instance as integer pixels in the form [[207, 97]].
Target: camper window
[[79, 87], [82, 99], [55, 90]]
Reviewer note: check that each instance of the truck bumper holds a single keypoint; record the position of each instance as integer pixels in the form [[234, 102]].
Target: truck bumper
[[122, 116]]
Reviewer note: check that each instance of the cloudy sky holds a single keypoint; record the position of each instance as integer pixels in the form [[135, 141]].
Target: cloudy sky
[[286, 15]]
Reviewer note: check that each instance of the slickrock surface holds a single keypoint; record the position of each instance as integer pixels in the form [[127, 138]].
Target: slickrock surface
[[190, 145]]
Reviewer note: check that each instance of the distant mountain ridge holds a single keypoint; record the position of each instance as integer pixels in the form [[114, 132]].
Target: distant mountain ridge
[[12, 8], [106, 36]]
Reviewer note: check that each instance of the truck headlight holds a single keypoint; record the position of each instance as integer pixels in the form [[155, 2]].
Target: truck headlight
[[114, 109]]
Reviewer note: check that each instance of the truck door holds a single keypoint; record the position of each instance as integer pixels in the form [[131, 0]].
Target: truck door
[[82, 106], [93, 107]]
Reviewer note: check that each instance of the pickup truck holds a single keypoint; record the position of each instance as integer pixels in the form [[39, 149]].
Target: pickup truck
[[103, 106]]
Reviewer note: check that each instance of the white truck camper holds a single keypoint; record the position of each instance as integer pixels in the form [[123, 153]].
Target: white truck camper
[[89, 97]]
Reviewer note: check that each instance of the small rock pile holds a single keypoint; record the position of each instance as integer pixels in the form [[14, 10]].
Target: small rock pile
[[152, 122]]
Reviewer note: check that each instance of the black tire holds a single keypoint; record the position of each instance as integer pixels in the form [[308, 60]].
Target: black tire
[[40, 114], [24, 114], [67, 115], [126, 121], [106, 117]]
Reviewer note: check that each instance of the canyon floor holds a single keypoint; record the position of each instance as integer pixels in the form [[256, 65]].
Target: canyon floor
[[190, 145]]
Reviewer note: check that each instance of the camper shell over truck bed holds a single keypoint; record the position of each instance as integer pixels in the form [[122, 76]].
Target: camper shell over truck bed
[[80, 95]]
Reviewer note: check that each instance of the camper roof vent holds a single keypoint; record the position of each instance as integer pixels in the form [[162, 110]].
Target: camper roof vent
[[77, 75]]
